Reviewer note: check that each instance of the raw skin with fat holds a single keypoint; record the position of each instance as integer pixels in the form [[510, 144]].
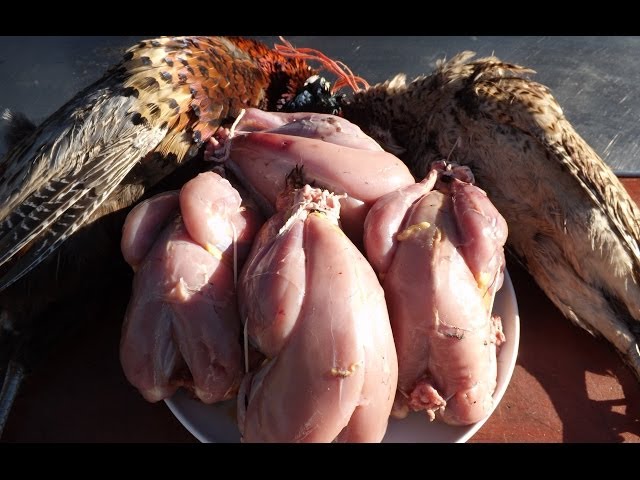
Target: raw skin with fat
[[438, 246], [182, 326], [315, 308], [334, 153]]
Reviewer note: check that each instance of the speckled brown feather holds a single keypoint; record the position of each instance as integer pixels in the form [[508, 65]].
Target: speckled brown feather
[[570, 220], [195, 84], [132, 127]]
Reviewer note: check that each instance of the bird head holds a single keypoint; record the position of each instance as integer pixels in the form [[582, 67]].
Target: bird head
[[315, 96], [316, 93]]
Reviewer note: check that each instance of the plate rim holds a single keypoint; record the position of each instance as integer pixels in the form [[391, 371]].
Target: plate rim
[[514, 336]]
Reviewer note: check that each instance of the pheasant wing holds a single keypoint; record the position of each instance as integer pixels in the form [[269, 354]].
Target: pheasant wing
[[168, 95]]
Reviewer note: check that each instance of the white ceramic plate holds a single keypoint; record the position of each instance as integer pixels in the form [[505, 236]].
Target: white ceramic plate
[[217, 423]]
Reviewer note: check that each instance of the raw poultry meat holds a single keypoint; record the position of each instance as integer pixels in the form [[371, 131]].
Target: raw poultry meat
[[182, 326], [313, 306], [440, 254], [280, 142]]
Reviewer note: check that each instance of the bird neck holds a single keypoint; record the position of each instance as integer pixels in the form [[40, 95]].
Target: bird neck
[[285, 75], [397, 115]]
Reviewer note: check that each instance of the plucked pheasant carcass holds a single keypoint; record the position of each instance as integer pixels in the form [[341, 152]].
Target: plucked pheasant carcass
[[313, 306], [181, 328], [437, 246], [67, 182]]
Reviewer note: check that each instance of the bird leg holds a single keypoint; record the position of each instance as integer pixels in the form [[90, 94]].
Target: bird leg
[[218, 146], [13, 377], [12, 372]]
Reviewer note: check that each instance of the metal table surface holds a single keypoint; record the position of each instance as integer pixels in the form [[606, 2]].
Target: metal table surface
[[567, 386]]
